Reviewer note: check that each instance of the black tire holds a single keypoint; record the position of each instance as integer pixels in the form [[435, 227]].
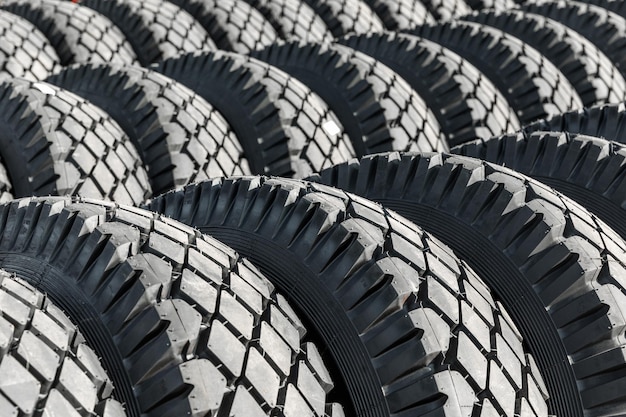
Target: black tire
[[233, 24], [447, 9], [558, 269], [157, 29], [466, 104], [61, 144], [347, 16], [532, 85], [78, 34], [596, 79], [401, 14], [179, 136], [491, 4], [47, 368], [607, 122], [378, 290], [377, 108], [185, 325], [24, 51], [284, 128], [587, 169], [293, 20], [605, 29]]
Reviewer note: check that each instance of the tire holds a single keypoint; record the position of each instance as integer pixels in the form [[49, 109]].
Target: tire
[[401, 14], [603, 28], [378, 109], [591, 73], [179, 136], [466, 104], [293, 20], [447, 9], [498, 5], [557, 269], [24, 50], [233, 24], [61, 144], [532, 85], [607, 122], [347, 16], [378, 290], [284, 128], [78, 34], [586, 169], [157, 29], [58, 373], [188, 327]]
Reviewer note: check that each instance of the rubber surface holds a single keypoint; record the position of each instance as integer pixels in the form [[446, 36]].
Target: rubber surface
[[447, 9], [62, 144], [180, 137], [233, 25], [184, 325], [558, 269], [77, 33], [24, 51], [532, 85], [157, 29], [589, 170], [411, 328], [293, 20], [401, 14], [347, 16], [491, 4], [592, 74], [466, 104], [284, 128], [378, 109], [47, 368]]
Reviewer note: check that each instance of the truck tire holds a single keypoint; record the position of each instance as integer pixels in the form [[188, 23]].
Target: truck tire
[[558, 269], [466, 104], [401, 14], [55, 143], [58, 373], [184, 325], [378, 109], [347, 16], [447, 9], [284, 128], [406, 323]]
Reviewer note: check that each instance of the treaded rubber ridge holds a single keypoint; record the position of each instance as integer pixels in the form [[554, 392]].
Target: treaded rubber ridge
[[56, 143], [558, 269], [401, 14], [347, 16], [284, 128], [411, 328], [47, 368]]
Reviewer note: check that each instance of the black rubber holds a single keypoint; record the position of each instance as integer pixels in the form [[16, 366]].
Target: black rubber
[[179, 136], [77, 33], [184, 325], [55, 143], [378, 109], [293, 20], [532, 85], [596, 79], [605, 29], [491, 4], [47, 368], [157, 29], [401, 14], [447, 9], [466, 104], [558, 269], [347, 16], [413, 331], [24, 51], [284, 128], [607, 121], [234, 25], [589, 170]]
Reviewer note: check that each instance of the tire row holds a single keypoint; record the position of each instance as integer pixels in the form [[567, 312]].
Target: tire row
[[319, 208]]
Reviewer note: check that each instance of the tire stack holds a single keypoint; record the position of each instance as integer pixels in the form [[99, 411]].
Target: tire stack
[[312, 208]]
